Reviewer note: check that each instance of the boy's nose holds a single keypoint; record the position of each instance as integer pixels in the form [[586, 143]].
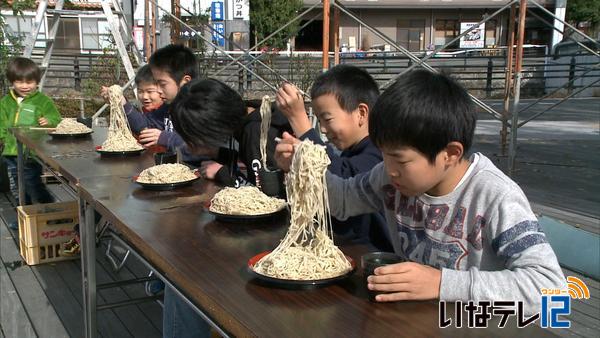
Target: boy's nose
[[392, 173]]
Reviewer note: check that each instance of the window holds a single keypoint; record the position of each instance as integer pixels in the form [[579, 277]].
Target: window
[[411, 34], [445, 31], [67, 35], [95, 33], [22, 27], [490, 33]]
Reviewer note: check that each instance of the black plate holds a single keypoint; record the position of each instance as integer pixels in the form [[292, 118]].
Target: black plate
[[247, 218], [295, 284], [166, 186], [80, 135], [118, 153]]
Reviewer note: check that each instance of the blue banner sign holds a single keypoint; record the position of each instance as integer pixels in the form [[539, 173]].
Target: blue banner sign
[[216, 11], [218, 38]]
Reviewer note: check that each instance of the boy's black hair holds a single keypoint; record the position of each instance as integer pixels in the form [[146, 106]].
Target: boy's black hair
[[176, 60], [425, 111], [23, 69], [349, 84], [207, 112], [253, 103], [144, 75]]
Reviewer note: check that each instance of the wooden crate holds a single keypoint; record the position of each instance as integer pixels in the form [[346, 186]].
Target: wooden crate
[[49, 178], [43, 228]]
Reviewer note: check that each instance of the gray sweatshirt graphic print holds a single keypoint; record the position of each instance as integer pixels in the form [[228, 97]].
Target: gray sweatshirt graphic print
[[483, 236]]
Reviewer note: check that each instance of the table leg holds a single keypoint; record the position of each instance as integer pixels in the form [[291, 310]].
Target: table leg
[[21, 173], [87, 231]]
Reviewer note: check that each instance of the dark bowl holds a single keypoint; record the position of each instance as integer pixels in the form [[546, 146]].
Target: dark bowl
[[296, 284], [166, 186], [127, 153], [164, 158], [85, 120], [70, 136], [250, 218], [271, 182], [369, 262]]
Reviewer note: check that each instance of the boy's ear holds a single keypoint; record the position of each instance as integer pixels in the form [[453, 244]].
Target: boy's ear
[[363, 113], [186, 78], [455, 152]]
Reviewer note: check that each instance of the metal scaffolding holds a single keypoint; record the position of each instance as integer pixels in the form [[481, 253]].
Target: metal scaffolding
[[509, 116]]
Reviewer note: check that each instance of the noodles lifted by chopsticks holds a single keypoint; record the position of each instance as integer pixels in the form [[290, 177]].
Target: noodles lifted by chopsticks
[[119, 134], [307, 251], [244, 201], [166, 173], [265, 124], [71, 126]]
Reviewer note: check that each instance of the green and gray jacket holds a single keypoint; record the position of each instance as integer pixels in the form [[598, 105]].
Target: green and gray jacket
[[26, 113]]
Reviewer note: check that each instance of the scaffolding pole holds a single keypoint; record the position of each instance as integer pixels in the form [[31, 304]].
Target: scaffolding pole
[[514, 125], [458, 37], [508, 79], [415, 59], [336, 36], [37, 23], [147, 51], [326, 12], [221, 50], [299, 16], [260, 56]]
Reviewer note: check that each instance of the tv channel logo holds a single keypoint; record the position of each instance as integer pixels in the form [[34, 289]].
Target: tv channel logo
[[556, 303]]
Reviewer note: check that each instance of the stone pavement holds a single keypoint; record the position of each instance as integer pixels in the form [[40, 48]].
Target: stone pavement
[[558, 158]]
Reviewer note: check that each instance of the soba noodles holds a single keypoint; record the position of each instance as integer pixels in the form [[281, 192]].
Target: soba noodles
[[71, 126], [265, 115], [166, 173], [307, 251], [119, 134], [244, 201]]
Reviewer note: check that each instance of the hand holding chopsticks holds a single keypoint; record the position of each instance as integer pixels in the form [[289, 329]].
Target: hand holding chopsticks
[[284, 151]]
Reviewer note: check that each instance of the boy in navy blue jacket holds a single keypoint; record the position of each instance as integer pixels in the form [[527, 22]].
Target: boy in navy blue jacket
[[172, 67], [341, 100]]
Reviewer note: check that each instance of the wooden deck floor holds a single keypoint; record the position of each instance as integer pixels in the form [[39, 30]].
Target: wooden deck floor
[[46, 300]]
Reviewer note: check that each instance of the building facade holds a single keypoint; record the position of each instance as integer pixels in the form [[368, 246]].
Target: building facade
[[420, 25], [417, 25]]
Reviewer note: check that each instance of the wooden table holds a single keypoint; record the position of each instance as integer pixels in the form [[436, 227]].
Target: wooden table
[[75, 158], [205, 261]]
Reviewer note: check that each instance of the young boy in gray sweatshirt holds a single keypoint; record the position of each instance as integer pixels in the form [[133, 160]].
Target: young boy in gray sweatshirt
[[466, 230]]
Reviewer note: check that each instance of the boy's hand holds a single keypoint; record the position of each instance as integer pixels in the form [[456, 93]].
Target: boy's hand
[[42, 121], [406, 281], [149, 137], [106, 97], [285, 151], [291, 104], [208, 169]]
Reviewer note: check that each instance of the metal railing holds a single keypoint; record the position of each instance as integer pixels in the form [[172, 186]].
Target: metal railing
[[484, 75]]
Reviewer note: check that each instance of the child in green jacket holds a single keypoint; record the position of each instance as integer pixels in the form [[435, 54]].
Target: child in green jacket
[[25, 106]]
